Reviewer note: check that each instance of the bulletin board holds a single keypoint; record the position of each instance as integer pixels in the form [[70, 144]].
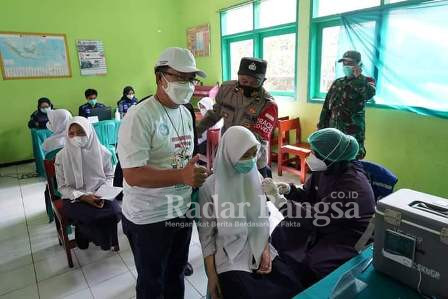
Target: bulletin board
[[92, 61]]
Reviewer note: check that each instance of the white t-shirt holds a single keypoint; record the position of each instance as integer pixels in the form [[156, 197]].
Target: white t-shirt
[[147, 136]]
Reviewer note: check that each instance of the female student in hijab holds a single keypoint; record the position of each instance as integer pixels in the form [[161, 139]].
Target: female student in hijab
[[82, 167], [204, 105], [38, 119], [57, 123], [338, 199], [127, 100], [233, 226]]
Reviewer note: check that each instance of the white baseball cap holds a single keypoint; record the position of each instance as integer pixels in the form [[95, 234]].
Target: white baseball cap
[[181, 60]]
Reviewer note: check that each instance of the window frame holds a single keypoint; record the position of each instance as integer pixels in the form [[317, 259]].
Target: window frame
[[258, 35], [318, 24]]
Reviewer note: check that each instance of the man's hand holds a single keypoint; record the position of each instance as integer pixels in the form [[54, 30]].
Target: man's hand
[[265, 263], [193, 174], [93, 200]]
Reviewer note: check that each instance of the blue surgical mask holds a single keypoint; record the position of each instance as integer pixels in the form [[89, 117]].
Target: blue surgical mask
[[92, 102], [348, 70], [45, 110], [244, 166]]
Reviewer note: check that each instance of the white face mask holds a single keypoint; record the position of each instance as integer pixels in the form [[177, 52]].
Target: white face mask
[[179, 93], [79, 141], [130, 96], [45, 110], [315, 164]]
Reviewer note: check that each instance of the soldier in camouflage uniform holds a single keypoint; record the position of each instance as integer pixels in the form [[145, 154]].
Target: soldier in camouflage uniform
[[344, 106], [246, 103]]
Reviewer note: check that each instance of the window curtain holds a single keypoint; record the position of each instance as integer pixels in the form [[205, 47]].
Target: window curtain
[[406, 49]]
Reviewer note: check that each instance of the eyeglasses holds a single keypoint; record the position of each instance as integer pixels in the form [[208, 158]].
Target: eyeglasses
[[183, 80]]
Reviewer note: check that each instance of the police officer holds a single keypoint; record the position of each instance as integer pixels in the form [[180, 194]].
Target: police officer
[[246, 103], [91, 97], [344, 106]]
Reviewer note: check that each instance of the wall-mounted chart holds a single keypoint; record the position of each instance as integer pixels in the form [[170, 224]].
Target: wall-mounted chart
[[33, 55], [92, 60]]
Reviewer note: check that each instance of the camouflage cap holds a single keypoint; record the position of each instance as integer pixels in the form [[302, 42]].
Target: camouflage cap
[[253, 67], [354, 56]]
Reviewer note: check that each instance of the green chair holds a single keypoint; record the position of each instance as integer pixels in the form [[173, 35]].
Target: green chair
[[50, 156]]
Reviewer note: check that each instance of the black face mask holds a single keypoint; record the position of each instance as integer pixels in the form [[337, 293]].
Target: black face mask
[[247, 90]]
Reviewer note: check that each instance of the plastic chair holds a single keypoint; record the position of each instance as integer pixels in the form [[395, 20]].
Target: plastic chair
[[61, 220], [383, 182], [299, 150], [381, 179], [274, 141], [213, 137]]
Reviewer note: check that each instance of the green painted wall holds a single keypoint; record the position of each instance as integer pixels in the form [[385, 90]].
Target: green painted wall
[[412, 146], [134, 33]]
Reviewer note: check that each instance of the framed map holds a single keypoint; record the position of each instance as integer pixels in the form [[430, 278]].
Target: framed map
[[34, 55], [198, 39]]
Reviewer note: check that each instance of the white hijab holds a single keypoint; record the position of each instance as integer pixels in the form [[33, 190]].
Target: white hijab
[[236, 188], [207, 104], [84, 167], [57, 123]]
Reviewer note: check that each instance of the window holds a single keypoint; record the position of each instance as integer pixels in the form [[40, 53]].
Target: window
[[392, 36], [239, 50], [330, 38], [239, 19], [264, 29], [332, 7], [279, 51], [276, 12]]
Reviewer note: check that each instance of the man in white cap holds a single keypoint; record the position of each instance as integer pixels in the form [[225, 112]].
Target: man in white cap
[[155, 147]]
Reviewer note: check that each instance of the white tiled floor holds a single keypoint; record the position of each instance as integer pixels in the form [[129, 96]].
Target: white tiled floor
[[33, 265]]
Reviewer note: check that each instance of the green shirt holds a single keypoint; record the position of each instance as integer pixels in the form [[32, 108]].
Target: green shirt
[[344, 107]]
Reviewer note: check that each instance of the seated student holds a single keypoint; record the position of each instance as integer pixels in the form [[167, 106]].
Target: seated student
[[82, 167], [239, 261], [127, 100], [57, 123], [91, 97], [324, 220], [204, 105], [39, 118]]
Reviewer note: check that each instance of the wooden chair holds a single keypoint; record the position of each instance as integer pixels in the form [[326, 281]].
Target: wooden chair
[[61, 220], [299, 149], [274, 141], [213, 137]]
